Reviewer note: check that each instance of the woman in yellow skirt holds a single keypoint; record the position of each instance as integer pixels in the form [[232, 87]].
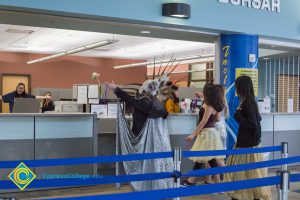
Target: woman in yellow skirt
[[249, 135], [208, 138]]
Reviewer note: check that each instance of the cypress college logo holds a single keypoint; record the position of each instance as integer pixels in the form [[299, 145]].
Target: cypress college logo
[[22, 176], [270, 5]]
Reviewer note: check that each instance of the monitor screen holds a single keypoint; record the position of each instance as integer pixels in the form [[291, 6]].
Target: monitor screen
[[26, 105]]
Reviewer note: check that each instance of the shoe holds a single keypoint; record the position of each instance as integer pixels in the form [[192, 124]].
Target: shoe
[[185, 183]]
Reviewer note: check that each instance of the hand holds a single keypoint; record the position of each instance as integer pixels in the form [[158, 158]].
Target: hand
[[199, 94], [47, 97], [190, 138], [112, 86]]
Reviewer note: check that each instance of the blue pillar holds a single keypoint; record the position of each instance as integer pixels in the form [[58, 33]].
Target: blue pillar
[[237, 51]]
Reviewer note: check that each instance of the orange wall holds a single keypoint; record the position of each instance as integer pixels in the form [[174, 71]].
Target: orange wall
[[65, 71]]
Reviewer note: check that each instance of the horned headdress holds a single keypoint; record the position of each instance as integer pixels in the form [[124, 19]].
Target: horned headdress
[[155, 86]]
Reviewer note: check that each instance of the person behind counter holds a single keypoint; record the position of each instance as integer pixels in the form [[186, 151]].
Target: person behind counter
[[172, 101], [19, 93], [48, 104]]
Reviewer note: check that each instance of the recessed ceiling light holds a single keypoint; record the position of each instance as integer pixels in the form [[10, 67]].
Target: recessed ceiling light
[[145, 32], [273, 46], [20, 31], [266, 58]]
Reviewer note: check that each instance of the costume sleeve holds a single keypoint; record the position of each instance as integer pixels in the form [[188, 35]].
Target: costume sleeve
[[143, 105]]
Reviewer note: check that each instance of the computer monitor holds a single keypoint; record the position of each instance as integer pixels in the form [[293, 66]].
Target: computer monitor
[[26, 105]]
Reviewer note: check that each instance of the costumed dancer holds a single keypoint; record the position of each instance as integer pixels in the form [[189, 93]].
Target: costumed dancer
[[149, 132]]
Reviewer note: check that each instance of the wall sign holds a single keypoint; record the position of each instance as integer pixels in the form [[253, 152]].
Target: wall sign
[[269, 5]]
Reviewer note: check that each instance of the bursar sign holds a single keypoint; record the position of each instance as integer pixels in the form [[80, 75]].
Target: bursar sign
[[270, 5]]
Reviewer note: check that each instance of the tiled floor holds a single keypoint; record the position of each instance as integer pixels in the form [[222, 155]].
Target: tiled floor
[[294, 193]]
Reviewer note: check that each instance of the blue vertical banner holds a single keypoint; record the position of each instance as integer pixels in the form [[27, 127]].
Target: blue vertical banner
[[239, 56]]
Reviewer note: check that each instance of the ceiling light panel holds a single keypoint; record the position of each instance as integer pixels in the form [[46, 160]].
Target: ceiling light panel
[[9, 38]]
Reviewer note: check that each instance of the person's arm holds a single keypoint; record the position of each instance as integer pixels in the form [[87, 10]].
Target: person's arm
[[143, 105], [42, 97], [7, 97], [0, 98], [207, 113]]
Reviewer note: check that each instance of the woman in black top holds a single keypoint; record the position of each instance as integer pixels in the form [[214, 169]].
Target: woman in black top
[[249, 134], [48, 104], [20, 92]]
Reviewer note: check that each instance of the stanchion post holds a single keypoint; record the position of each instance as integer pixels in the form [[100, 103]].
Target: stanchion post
[[284, 154], [285, 185], [283, 188], [177, 156], [279, 186]]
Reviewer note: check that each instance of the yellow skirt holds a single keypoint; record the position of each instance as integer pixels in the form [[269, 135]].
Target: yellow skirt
[[251, 193], [208, 139]]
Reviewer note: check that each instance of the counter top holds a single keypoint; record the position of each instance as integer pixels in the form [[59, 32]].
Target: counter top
[[281, 113], [45, 114], [183, 114]]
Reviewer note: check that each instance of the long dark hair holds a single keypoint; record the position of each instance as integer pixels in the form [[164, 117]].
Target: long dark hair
[[244, 88], [222, 92], [45, 103], [212, 97], [24, 92]]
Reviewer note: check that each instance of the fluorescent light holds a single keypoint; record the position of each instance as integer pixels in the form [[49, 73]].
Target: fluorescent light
[[163, 61], [145, 32], [75, 50]]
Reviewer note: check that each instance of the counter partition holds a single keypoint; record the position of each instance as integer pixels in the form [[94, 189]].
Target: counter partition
[[46, 136]]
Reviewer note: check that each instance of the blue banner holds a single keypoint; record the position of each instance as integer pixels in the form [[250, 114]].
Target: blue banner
[[238, 51]]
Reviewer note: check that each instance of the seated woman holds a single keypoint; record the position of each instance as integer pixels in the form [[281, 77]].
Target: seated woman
[[20, 92], [48, 104], [172, 101]]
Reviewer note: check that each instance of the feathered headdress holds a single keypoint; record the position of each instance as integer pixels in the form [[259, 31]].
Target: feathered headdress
[[159, 81]]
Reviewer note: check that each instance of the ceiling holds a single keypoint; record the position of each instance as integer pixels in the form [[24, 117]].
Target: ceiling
[[27, 39], [41, 40]]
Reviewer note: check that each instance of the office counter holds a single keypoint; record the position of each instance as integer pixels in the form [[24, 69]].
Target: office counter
[[281, 127], [179, 126], [66, 135], [45, 136]]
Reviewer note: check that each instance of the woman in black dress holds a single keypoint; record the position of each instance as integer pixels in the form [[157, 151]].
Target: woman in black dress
[[249, 136]]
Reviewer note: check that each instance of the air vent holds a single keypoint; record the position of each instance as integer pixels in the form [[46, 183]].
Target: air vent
[[18, 31]]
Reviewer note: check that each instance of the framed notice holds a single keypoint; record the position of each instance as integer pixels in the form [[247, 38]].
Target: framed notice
[[252, 73], [93, 92], [112, 109], [100, 110]]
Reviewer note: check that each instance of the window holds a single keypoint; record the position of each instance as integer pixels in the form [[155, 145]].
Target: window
[[205, 74]]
